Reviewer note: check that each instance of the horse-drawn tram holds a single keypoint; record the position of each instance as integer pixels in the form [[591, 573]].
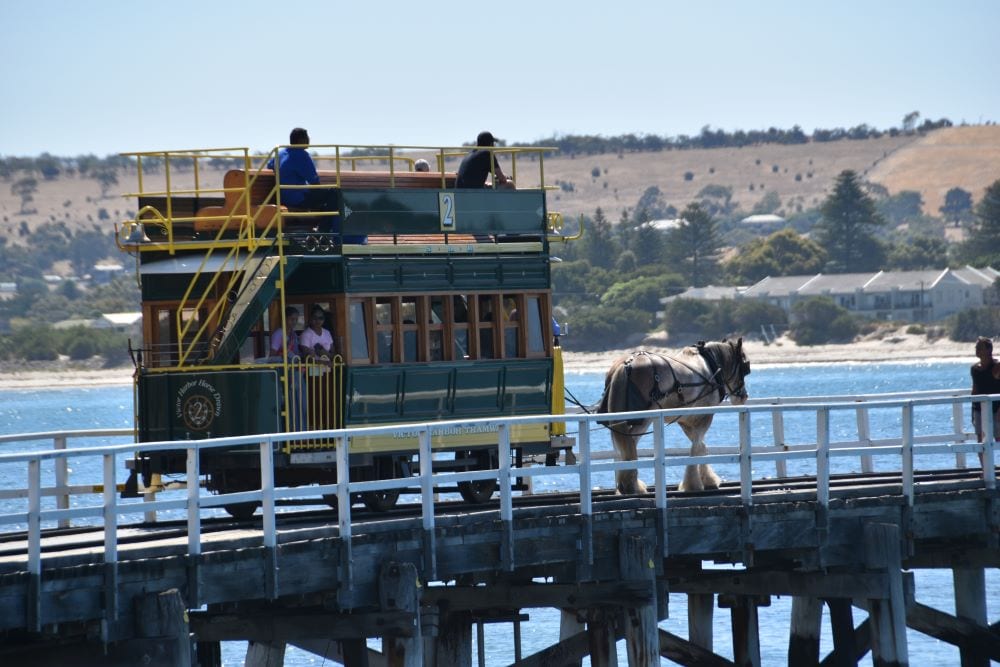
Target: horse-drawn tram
[[406, 299]]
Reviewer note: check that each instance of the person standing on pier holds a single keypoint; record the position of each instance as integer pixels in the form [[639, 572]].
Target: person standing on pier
[[985, 380]]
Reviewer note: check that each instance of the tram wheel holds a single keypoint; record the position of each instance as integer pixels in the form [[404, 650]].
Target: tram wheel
[[240, 511], [380, 501], [477, 493]]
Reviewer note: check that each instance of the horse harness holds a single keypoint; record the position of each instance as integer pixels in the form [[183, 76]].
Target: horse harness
[[714, 381]]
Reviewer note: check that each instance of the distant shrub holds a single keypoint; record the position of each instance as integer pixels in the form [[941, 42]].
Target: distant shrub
[[775, 169], [819, 320], [688, 175], [916, 330], [595, 172]]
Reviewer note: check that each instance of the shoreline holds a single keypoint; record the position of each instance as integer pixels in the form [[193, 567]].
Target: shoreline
[[782, 352]]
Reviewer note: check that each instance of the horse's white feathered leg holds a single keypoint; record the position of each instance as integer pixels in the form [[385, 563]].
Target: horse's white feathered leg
[[627, 481]]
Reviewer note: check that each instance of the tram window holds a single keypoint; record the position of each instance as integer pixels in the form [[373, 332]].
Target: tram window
[[461, 343], [486, 318], [536, 341], [359, 331], [511, 322], [435, 328], [408, 317], [163, 350], [460, 328], [384, 330]]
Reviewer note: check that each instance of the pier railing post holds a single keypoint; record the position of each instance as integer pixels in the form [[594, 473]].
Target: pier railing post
[[660, 489], [586, 500], [427, 502], [270, 524], [506, 502], [34, 601], [346, 589], [110, 516], [193, 472], [62, 479]]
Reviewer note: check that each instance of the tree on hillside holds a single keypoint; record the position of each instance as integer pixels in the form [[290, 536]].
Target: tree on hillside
[[598, 244], [783, 253], [901, 207], [918, 252], [25, 188], [716, 200], [653, 203], [648, 245], [106, 177], [910, 121], [694, 246], [957, 206], [847, 227], [982, 248]]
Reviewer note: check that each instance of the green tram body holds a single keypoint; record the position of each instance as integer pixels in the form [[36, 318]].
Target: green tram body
[[444, 313]]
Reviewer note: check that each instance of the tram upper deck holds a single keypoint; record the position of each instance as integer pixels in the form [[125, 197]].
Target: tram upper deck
[[219, 199]]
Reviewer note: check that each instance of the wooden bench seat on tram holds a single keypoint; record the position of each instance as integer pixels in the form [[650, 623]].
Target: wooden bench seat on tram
[[261, 194]]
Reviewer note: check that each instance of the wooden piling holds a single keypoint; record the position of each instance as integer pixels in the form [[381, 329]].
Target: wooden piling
[[746, 629], [265, 654], [803, 639], [970, 604], [570, 625], [162, 626], [453, 644], [701, 607], [602, 637], [399, 590], [642, 641], [887, 616]]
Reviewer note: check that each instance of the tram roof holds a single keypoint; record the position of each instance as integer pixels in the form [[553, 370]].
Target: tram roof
[[189, 264]]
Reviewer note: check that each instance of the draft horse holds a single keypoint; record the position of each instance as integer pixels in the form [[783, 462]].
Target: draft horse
[[698, 376]]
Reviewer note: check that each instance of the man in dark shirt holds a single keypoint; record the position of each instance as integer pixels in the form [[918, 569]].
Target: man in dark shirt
[[475, 166], [985, 380]]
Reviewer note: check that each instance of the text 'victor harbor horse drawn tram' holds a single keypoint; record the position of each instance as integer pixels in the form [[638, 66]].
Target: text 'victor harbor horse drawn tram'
[[437, 301]]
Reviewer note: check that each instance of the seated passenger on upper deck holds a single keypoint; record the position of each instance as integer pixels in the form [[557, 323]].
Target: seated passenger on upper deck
[[475, 166], [296, 167]]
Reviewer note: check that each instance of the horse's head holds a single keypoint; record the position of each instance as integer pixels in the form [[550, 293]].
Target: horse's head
[[734, 369]]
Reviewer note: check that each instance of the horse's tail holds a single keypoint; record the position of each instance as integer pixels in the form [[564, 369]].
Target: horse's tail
[[620, 393], [616, 375]]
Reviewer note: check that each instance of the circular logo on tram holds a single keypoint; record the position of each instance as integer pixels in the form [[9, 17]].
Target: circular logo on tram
[[198, 404]]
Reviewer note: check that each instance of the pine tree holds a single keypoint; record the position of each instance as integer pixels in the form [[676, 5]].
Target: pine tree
[[599, 246], [846, 229], [983, 245], [694, 246]]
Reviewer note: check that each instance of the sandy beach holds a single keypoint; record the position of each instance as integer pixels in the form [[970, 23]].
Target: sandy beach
[[894, 347]]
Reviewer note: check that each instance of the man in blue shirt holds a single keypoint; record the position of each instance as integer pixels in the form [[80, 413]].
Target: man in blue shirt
[[295, 167]]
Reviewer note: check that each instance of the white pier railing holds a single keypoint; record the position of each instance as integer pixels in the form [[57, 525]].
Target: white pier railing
[[924, 427]]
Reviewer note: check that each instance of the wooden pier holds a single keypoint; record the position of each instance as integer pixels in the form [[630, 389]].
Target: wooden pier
[[425, 580]]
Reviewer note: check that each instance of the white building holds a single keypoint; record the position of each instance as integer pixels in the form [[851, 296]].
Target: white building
[[910, 296]]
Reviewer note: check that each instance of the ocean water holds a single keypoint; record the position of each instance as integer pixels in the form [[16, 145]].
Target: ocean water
[[111, 407]]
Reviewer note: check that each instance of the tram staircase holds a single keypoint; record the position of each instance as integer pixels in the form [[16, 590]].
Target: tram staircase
[[258, 286]]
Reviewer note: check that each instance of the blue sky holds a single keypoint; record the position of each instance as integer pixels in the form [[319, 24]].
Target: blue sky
[[109, 76]]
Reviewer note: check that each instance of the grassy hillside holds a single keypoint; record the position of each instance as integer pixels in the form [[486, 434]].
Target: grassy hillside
[[801, 174]]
